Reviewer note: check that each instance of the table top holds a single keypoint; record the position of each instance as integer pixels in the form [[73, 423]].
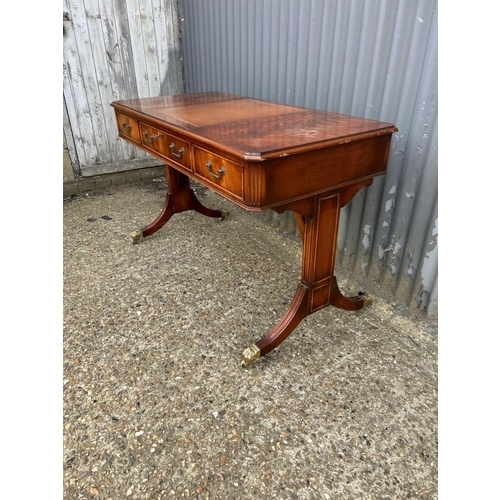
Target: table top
[[252, 129]]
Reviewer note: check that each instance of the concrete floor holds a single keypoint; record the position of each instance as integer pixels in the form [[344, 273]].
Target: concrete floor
[[156, 404]]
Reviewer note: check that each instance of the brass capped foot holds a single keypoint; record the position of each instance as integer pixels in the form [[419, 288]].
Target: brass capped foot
[[250, 354], [136, 236], [224, 214], [367, 299]]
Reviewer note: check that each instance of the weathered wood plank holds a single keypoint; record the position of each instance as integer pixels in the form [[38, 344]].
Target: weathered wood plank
[[70, 140], [94, 127], [74, 92], [136, 36], [99, 25], [173, 83], [112, 56], [115, 50], [124, 67], [125, 49]]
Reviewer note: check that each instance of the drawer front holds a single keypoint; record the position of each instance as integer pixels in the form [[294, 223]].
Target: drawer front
[[179, 151], [154, 139], [220, 172], [128, 127], [170, 147]]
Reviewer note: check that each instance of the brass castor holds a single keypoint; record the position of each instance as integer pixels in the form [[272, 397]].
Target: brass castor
[[224, 214], [367, 299], [136, 236], [250, 354]]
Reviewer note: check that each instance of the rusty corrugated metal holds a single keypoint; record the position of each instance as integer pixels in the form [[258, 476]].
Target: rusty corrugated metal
[[376, 59]]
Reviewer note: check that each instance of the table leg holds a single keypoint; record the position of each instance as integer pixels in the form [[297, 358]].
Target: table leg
[[318, 224], [180, 199]]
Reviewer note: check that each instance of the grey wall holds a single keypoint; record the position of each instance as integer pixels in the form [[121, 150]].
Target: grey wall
[[372, 58]]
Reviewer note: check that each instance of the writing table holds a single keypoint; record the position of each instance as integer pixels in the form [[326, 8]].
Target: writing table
[[263, 155]]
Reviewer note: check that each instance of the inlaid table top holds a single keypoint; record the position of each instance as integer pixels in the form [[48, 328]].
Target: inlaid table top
[[251, 128]]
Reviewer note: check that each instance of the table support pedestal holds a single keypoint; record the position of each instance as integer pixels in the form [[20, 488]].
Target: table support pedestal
[[318, 220], [180, 199]]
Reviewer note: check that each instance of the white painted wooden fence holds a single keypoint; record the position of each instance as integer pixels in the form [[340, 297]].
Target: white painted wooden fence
[[116, 49]]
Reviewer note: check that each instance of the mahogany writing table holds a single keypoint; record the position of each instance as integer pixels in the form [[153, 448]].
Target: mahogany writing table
[[263, 155]]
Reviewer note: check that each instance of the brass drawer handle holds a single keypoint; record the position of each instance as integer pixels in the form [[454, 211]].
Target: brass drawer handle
[[220, 172], [152, 138], [126, 126], [179, 154]]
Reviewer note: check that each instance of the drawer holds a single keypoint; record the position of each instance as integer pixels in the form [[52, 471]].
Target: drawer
[[178, 151], [154, 139], [173, 148], [219, 171], [128, 127]]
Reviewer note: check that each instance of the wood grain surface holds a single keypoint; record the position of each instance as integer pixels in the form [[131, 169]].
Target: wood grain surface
[[251, 128]]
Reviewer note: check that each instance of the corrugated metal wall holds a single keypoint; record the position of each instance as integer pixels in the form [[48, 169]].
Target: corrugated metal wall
[[370, 58]]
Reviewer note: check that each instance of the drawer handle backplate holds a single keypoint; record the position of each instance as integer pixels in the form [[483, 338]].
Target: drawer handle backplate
[[220, 172], [151, 138], [126, 126], [179, 154]]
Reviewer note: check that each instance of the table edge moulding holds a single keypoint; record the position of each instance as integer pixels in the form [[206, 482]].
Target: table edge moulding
[[263, 155]]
